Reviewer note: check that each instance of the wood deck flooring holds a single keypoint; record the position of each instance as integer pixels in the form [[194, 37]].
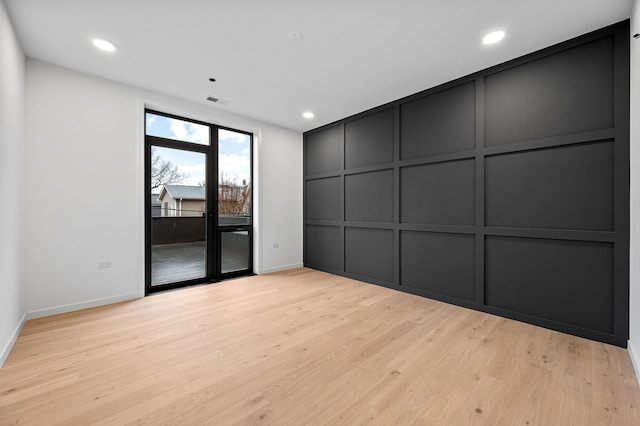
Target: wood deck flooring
[[305, 347]]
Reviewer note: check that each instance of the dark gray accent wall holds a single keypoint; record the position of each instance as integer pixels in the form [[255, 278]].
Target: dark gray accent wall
[[368, 197], [506, 191], [541, 98], [323, 198], [438, 263], [569, 187], [438, 123], [561, 280], [369, 140], [438, 193], [360, 259]]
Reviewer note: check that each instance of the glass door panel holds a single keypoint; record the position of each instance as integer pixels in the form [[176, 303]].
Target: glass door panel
[[234, 178], [234, 202], [179, 216], [235, 251]]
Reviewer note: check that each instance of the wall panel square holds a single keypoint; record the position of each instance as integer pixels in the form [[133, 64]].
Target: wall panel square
[[322, 199], [369, 196], [440, 193], [566, 281], [438, 123], [439, 263], [369, 140], [558, 188], [369, 253], [323, 246], [568, 92], [322, 151]]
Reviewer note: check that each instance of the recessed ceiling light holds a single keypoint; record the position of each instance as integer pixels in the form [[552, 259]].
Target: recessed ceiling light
[[493, 37], [295, 36], [308, 114], [103, 44]]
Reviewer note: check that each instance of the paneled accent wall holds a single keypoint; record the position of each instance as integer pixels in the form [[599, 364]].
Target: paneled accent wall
[[506, 191]]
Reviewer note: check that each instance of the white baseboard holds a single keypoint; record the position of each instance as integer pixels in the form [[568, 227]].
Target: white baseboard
[[63, 309], [635, 358], [7, 348], [281, 268]]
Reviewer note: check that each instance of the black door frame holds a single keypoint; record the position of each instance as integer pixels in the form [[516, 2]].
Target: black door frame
[[213, 229]]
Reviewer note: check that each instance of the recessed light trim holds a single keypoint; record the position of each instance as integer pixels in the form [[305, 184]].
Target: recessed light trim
[[308, 114], [295, 36], [493, 37], [104, 44]]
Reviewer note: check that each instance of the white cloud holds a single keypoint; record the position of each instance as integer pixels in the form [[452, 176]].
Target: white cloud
[[234, 165], [234, 136], [189, 132], [195, 174], [150, 120], [245, 151]]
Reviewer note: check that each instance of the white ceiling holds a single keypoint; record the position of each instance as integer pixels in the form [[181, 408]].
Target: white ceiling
[[354, 54]]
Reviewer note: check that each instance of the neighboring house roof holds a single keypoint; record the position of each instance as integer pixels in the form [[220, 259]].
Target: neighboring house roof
[[183, 192], [155, 200]]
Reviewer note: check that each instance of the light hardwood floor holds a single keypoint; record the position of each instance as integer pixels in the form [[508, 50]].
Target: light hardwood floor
[[304, 347]]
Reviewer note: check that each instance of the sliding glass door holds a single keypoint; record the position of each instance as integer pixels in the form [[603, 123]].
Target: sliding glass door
[[193, 170]]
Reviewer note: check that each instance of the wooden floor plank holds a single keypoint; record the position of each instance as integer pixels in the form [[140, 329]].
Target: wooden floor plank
[[306, 347]]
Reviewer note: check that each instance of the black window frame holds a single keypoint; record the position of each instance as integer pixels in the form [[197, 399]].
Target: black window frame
[[213, 228]]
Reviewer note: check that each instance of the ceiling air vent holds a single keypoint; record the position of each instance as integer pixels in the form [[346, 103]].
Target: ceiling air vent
[[218, 100]]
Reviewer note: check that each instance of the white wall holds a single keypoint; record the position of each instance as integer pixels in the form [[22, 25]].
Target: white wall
[[281, 192], [634, 261], [12, 65], [84, 188]]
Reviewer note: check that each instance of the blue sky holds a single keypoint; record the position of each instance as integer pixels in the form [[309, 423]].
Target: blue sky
[[233, 149]]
